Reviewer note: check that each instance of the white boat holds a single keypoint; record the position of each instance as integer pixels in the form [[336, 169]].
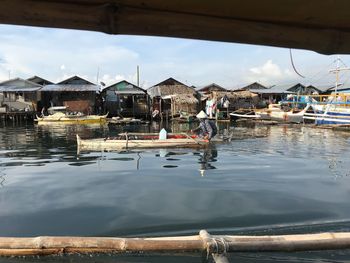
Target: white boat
[[330, 113], [275, 113], [244, 116], [291, 116], [336, 110]]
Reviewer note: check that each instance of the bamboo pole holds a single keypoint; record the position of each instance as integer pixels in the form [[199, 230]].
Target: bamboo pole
[[212, 244]]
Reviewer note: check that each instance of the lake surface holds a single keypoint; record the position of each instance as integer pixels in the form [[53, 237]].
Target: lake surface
[[266, 180]]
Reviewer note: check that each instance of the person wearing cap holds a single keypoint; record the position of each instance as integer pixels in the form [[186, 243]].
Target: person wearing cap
[[207, 128]]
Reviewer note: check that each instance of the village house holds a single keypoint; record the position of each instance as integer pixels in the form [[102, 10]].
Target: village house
[[76, 93], [330, 89], [40, 80], [126, 100], [282, 92], [232, 100], [253, 86], [210, 88], [18, 95], [171, 97]]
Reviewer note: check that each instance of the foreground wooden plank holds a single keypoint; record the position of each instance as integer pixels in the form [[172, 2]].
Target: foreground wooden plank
[[10, 246]]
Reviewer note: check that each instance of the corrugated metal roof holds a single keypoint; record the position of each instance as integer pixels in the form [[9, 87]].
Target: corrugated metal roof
[[70, 87], [129, 88], [18, 89], [131, 92], [273, 90]]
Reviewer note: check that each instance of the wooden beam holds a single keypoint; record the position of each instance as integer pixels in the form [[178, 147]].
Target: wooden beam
[[322, 26]]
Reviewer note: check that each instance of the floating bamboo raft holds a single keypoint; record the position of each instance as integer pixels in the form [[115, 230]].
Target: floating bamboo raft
[[214, 245], [139, 140]]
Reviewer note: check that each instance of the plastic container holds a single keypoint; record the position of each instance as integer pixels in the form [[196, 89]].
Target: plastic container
[[162, 134]]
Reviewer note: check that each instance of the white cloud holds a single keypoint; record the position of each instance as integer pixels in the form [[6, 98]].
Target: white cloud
[[269, 74], [267, 70], [78, 53], [55, 54]]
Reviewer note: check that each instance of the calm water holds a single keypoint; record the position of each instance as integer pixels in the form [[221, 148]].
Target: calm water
[[267, 180]]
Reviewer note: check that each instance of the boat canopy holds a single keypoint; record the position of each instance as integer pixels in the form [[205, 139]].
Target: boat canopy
[[322, 26]]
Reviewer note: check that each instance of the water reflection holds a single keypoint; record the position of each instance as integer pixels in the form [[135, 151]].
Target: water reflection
[[267, 179], [206, 159]]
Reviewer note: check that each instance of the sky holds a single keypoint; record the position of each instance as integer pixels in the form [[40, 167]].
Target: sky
[[56, 54]]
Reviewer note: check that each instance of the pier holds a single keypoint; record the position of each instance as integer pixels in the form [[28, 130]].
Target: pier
[[18, 117]]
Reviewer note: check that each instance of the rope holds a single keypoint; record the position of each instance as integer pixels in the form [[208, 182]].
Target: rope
[[291, 60], [224, 243]]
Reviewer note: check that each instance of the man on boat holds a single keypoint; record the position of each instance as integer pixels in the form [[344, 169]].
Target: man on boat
[[207, 128]]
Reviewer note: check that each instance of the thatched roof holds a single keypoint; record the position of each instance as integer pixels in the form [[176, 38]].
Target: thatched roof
[[165, 90], [182, 98], [234, 95], [211, 87]]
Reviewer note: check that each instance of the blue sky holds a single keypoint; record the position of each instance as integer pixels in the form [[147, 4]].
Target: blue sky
[[56, 54]]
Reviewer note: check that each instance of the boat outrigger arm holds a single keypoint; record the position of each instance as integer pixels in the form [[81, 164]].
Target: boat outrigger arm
[[216, 245]]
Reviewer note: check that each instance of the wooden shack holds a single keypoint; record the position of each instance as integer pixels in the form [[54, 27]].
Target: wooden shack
[[126, 100], [237, 100], [19, 95], [170, 97], [76, 93], [210, 88]]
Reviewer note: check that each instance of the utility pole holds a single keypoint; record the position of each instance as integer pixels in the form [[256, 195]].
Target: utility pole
[[98, 75], [138, 75]]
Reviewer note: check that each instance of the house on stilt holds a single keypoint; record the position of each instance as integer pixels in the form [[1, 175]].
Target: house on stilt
[[170, 98], [125, 99], [76, 93]]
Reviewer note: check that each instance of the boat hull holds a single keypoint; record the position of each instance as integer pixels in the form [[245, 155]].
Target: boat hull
[[74, 119], [329, 115], [101, 144]]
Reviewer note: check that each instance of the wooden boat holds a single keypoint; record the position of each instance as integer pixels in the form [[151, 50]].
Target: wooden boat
[[274, 113], [116, 120], [332, 113], [335, 110], [236, 116], [289, 116], [59, 115], [140, 140]]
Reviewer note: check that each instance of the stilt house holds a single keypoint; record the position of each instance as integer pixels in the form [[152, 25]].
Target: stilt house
[[170, 97], [126, 99], [19, 95], [76, 93], [243, 99], [206, 92]]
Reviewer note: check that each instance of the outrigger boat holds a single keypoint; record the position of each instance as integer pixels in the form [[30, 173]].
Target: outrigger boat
[[140, 140], [59, 115], [274, 113], [336, 109]]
